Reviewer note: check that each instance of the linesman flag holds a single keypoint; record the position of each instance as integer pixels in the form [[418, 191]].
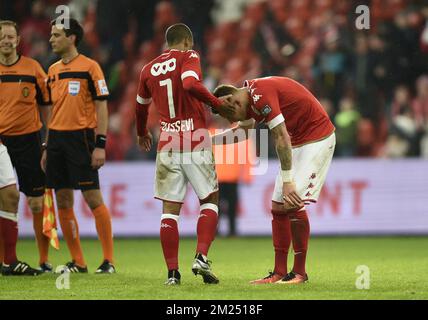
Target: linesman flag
[[49, 219]]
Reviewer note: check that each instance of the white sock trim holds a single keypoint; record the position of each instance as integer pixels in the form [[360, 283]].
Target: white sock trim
[[169, 216], [9, 215], [210, 206]]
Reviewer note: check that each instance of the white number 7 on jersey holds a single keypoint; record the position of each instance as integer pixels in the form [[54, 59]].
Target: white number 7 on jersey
[[168, 84]]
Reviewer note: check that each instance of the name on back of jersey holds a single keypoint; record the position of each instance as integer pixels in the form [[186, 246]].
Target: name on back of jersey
[[163, 67], [177, 126]]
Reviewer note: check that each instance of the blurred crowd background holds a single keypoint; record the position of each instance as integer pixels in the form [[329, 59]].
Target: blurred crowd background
[[373, 83]]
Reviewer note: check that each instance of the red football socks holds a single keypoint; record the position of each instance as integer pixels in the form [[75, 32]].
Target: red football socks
[[170, 239], [207, 227], [300, 233], [281, 236], [9, 232]]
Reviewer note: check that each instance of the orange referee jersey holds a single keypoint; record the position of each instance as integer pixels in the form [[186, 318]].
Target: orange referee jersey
[[74, 87], [22, 87]]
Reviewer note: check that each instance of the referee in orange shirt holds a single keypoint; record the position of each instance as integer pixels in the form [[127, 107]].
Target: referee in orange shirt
[[23, 97], [75, 148]]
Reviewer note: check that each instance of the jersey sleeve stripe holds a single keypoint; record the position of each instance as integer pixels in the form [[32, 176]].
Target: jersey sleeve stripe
[[143, 100], [189, 73], [275, 121]]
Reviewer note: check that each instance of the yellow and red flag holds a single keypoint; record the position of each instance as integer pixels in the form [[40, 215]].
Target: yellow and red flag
[[49, 219]]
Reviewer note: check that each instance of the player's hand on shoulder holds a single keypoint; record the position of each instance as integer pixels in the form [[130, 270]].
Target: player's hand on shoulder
[[98, 158], [145, 142]]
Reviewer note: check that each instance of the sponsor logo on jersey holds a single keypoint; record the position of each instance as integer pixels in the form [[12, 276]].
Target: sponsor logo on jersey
[[177, 126], [73, 87], [193, 55], [164, 67], [266, 110], [257, 97], [25, 92]]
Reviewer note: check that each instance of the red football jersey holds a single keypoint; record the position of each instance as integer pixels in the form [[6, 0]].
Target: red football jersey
[[181, 114], [278, 99]]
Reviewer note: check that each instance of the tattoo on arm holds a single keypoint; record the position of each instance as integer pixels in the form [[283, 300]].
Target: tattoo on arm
[[282, 146]]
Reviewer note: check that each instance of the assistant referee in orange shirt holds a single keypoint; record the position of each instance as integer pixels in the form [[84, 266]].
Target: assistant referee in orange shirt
[[75, 148]]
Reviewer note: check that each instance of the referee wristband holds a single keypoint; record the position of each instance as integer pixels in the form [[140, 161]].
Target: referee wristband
[[286, 176], [100, 141]]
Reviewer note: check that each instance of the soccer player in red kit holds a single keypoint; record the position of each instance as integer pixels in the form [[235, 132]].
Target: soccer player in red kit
[[172, 82], [304, 140]]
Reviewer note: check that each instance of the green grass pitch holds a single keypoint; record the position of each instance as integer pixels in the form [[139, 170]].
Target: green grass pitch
[[398, 270]]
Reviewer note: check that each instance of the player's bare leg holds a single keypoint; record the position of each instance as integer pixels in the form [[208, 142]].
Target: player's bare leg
[[206, 231], [170, 240], [36, 207], [70, 230], [94, 199], [9, 198], [281, 237]]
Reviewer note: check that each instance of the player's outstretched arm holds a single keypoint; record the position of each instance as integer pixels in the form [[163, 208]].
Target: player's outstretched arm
[[199, 91], [283, 149], [234, 135]]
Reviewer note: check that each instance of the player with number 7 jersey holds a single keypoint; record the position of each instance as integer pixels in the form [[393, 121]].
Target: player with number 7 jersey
[[169, 82], [172, 82]]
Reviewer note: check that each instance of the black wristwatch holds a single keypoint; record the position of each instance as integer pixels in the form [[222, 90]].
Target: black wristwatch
[[44, 146]]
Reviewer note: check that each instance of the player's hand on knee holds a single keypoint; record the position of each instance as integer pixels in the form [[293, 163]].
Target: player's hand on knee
[[290, 196], [145, 142], [98, 158]]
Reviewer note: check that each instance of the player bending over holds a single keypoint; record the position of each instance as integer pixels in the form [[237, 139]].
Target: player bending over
[[304, 141]]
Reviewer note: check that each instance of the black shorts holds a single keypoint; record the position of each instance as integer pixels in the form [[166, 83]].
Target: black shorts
[[25, 152], [69, 157]]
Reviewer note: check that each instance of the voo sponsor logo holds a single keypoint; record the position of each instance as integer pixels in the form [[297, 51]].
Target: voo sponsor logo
[[164, 67]]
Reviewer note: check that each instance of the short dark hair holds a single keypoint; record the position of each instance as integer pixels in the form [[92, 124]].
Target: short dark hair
[[224, 90], [177, 33], [74, 28], [9, 23]]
